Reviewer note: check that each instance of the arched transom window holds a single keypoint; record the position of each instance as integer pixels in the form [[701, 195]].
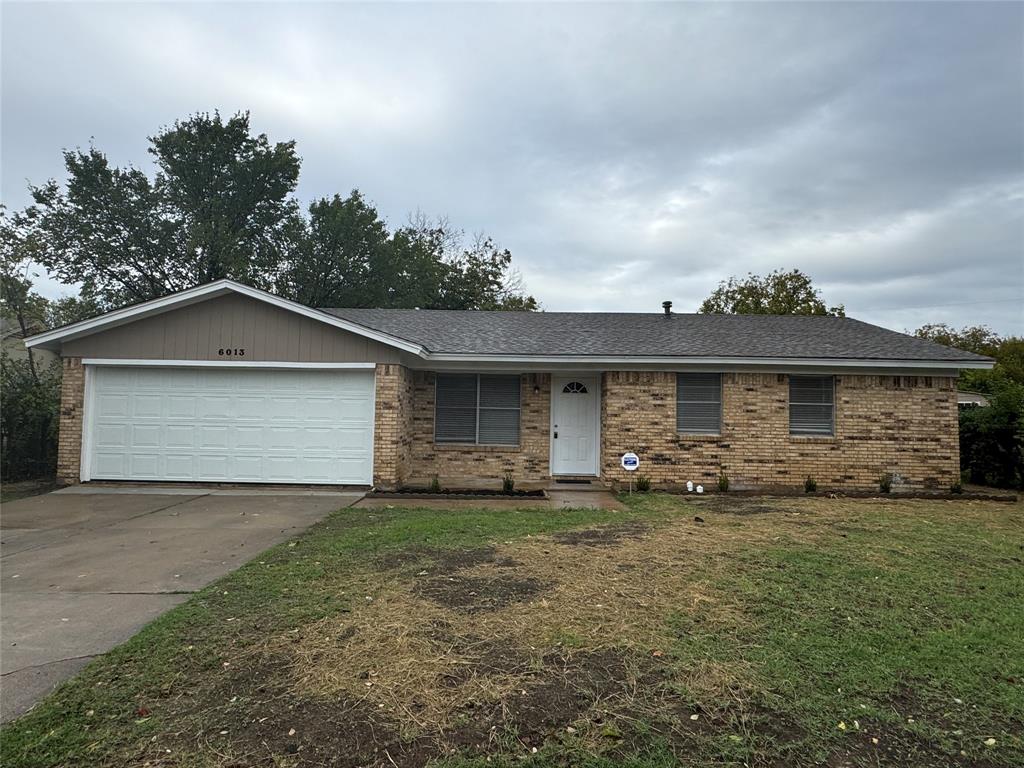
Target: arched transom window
[[574, 388]]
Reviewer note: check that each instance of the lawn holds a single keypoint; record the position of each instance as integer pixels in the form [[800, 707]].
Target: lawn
[[719, 631]]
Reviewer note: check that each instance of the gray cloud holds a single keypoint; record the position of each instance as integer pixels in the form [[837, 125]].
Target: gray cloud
[[625, 154]]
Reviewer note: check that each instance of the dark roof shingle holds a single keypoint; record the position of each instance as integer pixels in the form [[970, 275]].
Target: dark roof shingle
[[620, 334]]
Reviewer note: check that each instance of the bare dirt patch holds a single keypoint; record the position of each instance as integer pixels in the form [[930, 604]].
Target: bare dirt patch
[[472, 594], [884, 744], [737, 505], [604, 536]]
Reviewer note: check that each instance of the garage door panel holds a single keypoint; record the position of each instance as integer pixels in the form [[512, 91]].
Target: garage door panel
[[147, 406], [248, 438], [144, 465], [181, 407], [352, 468], [282, 408], [113, 435], [212, 466], [319, 440], [232, 425], [113, 405], [252, 407], [216, 437], [179, 436], [353, 439], [283, 468], [213, 407], [146, 435], [180, 466], [247, 467], [111, 465]]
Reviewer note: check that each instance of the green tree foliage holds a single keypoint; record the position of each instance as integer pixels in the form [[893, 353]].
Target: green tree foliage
[[349, 258], [991, 437], [30, 389], [778, 293], [28, 419], [221, 204]]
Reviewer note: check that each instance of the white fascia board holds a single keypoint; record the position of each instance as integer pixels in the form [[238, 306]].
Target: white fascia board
[[623, 363], [199, 293], [232, 363]]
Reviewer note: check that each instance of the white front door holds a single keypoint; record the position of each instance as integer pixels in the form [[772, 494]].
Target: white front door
[[575, 415]]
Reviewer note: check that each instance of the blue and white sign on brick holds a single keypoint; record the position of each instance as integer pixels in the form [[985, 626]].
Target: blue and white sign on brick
[[630, 462]]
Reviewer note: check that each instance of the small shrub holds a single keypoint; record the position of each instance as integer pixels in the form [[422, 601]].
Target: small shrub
[[435, 485], [723, 482], [956, 487], [507, 483], [810, 485], [643, 483], [885, 483]]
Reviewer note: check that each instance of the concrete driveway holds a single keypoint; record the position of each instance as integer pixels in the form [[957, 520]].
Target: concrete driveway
[[83, 569]]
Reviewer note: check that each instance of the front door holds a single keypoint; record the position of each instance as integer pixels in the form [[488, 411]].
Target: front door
[[575, 415]]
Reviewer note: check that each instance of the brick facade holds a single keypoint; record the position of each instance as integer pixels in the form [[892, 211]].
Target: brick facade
[[69, 439], [393, 425], [455, 464], [905, 425]]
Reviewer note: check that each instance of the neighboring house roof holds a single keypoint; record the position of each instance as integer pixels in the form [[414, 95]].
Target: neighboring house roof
[[591, 338], [11, 329], [619, 334], [964, 397]]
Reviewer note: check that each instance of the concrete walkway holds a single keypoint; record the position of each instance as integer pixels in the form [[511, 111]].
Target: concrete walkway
[[82, 570]]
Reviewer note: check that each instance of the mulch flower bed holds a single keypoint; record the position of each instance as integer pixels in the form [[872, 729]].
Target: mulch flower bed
[[457, 493]]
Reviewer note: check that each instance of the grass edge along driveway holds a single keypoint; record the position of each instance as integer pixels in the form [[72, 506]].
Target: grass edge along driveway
[[789, 631]]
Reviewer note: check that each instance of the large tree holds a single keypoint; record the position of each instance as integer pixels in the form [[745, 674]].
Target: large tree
[[777, 293], [991, 438], [219, 205], [349, 258]]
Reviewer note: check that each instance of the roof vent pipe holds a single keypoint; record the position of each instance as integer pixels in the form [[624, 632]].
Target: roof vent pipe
[[667, 306]]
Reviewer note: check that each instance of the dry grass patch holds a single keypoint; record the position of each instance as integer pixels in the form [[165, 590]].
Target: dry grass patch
[[479, 626]]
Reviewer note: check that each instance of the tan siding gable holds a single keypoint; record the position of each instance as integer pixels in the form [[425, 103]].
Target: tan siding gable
[[198, 331]]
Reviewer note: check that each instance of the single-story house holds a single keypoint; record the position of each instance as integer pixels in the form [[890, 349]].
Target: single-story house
[[226, 383]]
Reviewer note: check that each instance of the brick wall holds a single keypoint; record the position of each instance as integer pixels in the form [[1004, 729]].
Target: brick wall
[[69, 438], [456, 464], [393, 425], [883, 424]]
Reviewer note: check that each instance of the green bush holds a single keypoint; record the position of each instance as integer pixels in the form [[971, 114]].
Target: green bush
[[435, 485], [507, 483], [643, 483], [992, 438], [723, 482], [885, 483], [28, 419], [810, 485], [956, 487]]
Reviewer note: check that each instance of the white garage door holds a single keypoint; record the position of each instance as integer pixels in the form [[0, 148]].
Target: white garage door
[[231, 425]]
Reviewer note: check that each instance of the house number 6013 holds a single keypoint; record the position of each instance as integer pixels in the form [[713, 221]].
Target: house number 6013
[[231, 351]]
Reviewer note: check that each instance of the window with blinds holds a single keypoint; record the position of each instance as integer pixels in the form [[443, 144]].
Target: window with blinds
[[811, 405], [699, 403], [476, 408]]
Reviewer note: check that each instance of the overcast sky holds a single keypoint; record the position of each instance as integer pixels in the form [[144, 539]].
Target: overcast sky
[[625, 154]]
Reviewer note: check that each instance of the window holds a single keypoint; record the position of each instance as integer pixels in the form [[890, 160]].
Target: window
[[574, 388], [472, 408], [699, 403], [811, 405]]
